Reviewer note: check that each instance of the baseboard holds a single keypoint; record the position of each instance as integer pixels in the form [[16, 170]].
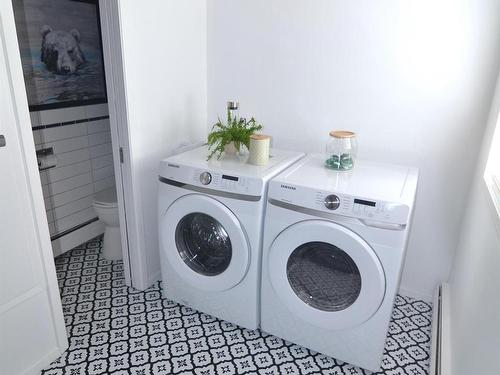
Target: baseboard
[[154, 278], [417, 295], [79, 236], [440, 340]]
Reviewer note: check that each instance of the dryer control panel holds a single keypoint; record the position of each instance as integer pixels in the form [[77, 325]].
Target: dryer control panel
[[340, 203], [211, 179], [224, 182]]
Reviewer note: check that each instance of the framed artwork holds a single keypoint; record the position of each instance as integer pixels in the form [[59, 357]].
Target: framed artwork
[[61, 52]]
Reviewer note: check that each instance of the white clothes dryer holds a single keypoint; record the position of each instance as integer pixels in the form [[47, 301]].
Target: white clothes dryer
[[333, 252], [210, 226]]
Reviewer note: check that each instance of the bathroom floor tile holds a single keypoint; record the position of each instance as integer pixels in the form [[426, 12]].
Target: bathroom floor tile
[[115, 329]]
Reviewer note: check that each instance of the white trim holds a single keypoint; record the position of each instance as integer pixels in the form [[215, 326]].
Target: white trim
[[492, 183], [440, 362], [496, 184], [495, 192], [435, 355], [154, 277], [445, 330], [130, 222]]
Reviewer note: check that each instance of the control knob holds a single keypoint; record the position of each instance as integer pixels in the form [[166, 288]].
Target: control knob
[[332, 202], [205, 178]]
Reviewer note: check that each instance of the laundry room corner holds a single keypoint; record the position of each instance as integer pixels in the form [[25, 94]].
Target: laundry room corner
[[407, 107], [249, 187]]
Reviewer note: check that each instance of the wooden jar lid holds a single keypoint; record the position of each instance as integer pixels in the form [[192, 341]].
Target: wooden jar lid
[[342, 134], [259, 137]]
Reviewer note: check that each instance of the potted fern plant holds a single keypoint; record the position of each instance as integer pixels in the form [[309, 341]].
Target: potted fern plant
[[230, 137]]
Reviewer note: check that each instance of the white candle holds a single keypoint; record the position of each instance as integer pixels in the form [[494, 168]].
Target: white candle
[[259, 149]]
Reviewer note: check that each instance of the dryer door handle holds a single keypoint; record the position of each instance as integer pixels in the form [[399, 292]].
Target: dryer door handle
[[382, 225]]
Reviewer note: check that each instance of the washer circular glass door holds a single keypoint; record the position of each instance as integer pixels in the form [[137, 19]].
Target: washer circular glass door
[[326, 274], [204, 242]]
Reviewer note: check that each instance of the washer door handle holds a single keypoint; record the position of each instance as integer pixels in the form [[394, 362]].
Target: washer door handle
[[2, 140], [382, 225]]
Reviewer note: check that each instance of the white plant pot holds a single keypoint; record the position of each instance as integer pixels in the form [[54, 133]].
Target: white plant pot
[[230, 149]]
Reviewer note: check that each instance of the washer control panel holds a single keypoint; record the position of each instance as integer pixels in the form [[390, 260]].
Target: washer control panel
[[205, 178], [362, 208], [226, 182], [213, 179], [340, 203], [332, 202]]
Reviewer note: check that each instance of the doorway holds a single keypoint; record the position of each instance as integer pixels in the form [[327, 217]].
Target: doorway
[[61, 50]]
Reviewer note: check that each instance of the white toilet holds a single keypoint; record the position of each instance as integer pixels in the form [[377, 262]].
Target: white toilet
[[106, 206]]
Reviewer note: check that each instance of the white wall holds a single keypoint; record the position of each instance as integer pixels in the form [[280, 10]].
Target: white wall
[[164, 58], [413, 79], [475, 280]]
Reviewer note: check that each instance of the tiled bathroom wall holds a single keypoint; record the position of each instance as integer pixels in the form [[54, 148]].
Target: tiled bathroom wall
[[84, 167]]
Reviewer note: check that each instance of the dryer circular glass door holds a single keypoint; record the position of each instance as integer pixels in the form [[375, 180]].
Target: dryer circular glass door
[[326, 274], [204, 242]]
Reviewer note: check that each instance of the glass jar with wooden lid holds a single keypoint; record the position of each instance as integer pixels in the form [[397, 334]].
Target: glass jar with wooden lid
[[341, 150]]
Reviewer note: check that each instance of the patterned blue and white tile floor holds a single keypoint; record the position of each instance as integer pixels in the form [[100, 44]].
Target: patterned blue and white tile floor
[[115, 329]]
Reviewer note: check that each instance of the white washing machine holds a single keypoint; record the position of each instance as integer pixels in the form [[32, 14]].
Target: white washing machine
[[211, 216], [333, 252]]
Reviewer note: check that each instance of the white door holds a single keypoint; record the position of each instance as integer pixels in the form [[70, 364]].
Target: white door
[[32, 332], [326, 274], [204, 242]]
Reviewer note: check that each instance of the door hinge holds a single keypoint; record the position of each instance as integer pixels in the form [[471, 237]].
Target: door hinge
[[121, 155]]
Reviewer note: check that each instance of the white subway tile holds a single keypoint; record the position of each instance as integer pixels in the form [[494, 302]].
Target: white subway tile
[[75, 219], [71, 183], [61, 173], [84, 163], [48, 203], [72, 157], [37, 137], [63, 132], [35, 119], [98, 126], [54, 116], [72, 195], [50, 216], [99, 174], [99, 138], [46, 191], [69, 144], [43, 177], [73, 207], [104, 183], [52, 228], [100, 150], [96, 110], [102, 161]]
